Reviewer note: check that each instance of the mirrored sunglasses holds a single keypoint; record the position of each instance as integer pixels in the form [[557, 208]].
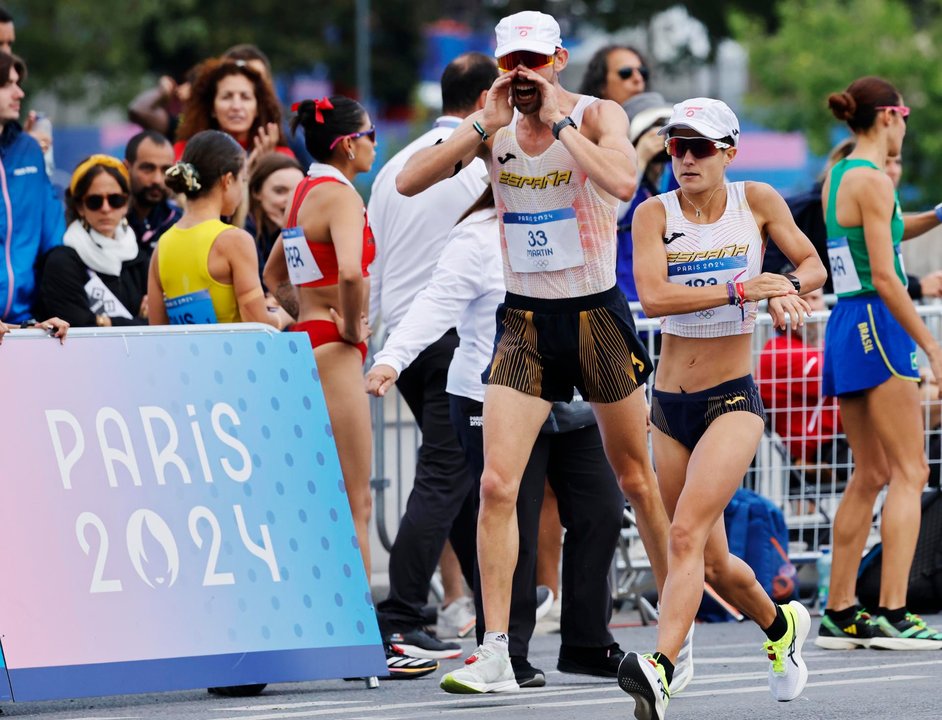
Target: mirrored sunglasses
[[528, 59], [699, 147], [369, 133], [116, 201]]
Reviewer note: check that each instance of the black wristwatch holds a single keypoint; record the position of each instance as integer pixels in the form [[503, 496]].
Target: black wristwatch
[[796, 283], [565, 122]]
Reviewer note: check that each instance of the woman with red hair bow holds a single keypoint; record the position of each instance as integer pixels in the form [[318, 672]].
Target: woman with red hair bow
[[318, 272]]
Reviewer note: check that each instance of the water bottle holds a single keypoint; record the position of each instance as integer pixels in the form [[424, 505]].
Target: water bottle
[[824, 577]]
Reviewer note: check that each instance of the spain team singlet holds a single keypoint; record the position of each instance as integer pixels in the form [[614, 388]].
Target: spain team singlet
[[728, 250], [557, 233]]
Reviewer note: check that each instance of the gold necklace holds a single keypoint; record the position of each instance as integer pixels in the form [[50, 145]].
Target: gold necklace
[[699, 211]]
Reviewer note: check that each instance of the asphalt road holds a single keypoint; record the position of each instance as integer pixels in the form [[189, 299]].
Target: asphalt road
[[730, 682]]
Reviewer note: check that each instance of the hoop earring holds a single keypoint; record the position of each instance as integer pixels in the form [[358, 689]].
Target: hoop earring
[[350, 155]]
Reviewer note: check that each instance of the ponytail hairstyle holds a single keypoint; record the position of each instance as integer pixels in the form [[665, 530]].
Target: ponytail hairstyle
[[325, 120], [209, 156], [857, 105]]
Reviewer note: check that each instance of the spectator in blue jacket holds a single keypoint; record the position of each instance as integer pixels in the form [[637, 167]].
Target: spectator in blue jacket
[[31, 218]]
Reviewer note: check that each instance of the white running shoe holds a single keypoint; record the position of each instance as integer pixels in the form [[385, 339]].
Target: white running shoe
[[488, 670], [788, 673], [457, 619], [683, 667]]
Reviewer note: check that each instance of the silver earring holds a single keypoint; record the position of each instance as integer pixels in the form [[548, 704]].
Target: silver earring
[[350, 155]]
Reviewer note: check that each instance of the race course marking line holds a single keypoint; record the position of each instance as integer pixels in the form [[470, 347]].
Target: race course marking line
[[306, 703], [725, 678], [621, 697], [488, 704]]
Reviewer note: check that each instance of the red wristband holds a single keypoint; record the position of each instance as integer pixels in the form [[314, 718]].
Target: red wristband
[[741, 292]]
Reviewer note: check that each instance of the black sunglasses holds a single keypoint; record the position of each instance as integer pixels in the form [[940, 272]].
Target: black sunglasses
[[626, 72], [95, 202]]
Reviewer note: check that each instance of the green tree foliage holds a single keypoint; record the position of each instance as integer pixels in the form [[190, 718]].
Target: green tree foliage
[[115, 44], [821, 46]]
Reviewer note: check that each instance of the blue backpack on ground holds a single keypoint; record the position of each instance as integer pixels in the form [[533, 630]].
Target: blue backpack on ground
[[758, 534]]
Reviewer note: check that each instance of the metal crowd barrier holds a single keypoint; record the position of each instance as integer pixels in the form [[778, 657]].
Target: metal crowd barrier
[[807, 492]]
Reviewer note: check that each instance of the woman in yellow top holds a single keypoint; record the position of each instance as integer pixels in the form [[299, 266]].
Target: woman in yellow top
[[205, 271]]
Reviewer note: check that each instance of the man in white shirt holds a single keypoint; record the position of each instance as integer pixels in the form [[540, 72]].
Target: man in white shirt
[[410, 233]]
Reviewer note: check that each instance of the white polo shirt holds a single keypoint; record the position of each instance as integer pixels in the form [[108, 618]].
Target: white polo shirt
[[410, 232], [463, 291]]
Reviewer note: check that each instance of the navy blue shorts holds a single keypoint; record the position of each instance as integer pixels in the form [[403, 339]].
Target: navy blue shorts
[[546, 347], [864, 346], [686, 416]]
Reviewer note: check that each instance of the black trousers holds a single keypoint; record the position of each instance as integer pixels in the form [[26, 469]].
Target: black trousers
[[440, 505], [590, 508]]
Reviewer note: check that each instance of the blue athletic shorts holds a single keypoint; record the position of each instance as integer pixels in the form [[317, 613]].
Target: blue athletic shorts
[[686, 416], [864, 346]]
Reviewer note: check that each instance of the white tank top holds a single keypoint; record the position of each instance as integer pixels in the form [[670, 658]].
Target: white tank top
[[557, 233], [729, 250]]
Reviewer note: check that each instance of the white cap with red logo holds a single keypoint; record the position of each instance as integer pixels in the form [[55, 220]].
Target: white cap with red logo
[[711, 118], [528, 30]]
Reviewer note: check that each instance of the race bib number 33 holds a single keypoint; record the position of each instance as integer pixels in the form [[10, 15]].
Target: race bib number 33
[[543, 242]]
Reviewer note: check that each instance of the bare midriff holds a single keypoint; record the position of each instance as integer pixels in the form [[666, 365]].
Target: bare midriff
[[693, 364]]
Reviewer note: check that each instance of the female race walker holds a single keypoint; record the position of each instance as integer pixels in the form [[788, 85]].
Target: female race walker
[[203, 270], [325, 248], [870, 366], [698, 253]]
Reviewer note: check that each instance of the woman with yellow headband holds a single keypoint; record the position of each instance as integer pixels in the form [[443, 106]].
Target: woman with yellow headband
[[98, 277]]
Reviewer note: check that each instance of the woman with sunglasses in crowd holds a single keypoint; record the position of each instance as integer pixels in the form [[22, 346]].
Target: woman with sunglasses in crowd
[[698, 253], [870, 366], [98, 277]]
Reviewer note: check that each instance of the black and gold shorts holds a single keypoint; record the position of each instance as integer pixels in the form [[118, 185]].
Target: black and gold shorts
[[545, 348]]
